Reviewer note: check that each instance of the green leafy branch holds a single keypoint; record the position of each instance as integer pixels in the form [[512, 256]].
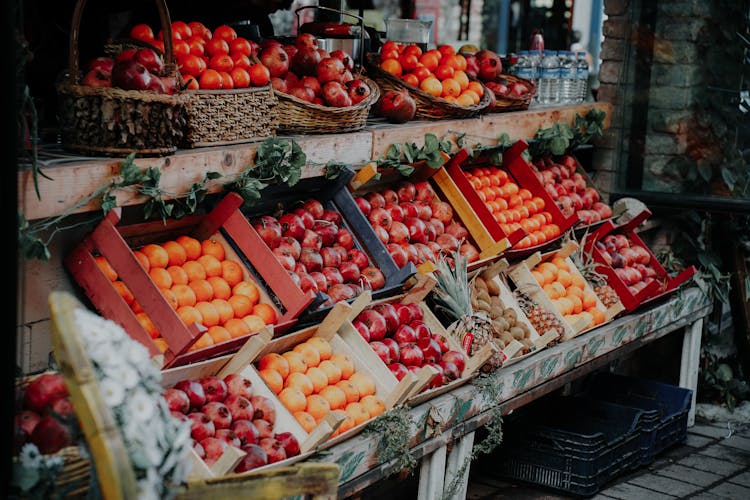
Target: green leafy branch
[[402, 156], [394, 429]]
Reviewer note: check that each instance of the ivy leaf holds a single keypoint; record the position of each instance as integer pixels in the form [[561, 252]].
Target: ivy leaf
[[148, 209], [558, 145], [130, 173], [431, 143], [333, 169], [404, 169], [460, 140], [210, 176], [729, 178], [410, 152]]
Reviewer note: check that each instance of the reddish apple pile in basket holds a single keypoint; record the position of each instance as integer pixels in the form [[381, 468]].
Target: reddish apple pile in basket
[[225, 412]]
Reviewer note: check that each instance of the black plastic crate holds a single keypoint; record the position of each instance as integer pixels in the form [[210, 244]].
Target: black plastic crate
[[671, 402], [571, 444]]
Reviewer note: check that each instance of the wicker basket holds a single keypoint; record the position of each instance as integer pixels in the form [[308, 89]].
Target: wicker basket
[[428, 107], [301, 117], [511, 103], [116, 122]]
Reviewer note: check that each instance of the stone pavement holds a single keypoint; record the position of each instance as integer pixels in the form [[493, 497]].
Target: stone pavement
[[712, 463]]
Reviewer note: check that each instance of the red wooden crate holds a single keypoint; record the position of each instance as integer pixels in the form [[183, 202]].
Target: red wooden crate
[[520, 170], [224, 222], [663, 283]]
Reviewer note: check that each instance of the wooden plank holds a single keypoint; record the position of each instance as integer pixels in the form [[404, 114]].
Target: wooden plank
[[247, 353], [227, 461]]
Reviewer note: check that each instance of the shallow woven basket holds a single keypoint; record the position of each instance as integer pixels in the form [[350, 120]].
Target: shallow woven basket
[[301, 117], [429, 107], [510, 103], [116, 122]]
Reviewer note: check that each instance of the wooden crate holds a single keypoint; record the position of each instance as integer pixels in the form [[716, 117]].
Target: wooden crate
[[335, 196], [224, 223], [663, 284]]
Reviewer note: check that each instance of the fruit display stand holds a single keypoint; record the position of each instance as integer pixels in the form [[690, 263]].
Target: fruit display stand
[[115, 243], [662, 283]]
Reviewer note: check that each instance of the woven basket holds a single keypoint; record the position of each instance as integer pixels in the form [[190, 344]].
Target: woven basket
[[301, 117], [116, 122], [429, 107], [511, 103]]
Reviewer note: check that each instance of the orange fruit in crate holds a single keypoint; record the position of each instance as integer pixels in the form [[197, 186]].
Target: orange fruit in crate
[[589, 300], [577, 303], [236, 327], [161, 277], [335, 396], [226, 80], [106, 267], [209, 313], [267, 313], [564, 305], [219, 334], [565, 278], [191, 245], [176, 253], [231, 271], [211, 264], [559, 262], [213, 247], [274, 361], [301, 382], [241, 305], [189, 315], [554, 290], [220, 287], [147, 324], [241, 77], [296, 362], [253, 322], [124, 292], [350, 390], [309, 352], [225, 310], [597, 315], [306, 420], [273, 379], [364, 384], [185, 295], [157, 256], [178, 274], [373, 404], [142, 260], [344, 363], [194, 270], [317, 406], [248, 289], [392, 66], [204, 341], [574, 291], [450, 88], [203, 290], [171, 297], [318, 378], [323, 347], [293, 399], [332, 371], [161, 344], [136, 307], [578, 281], [357, 412], [345, 425]]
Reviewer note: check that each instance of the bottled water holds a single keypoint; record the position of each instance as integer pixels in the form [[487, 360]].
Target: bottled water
[[568, 77], [524, 66], [549, 78], [582, 77], [535, 58]]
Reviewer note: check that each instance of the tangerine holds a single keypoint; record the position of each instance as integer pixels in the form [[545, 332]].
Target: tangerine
[[317, 406], [305, 420], [189, 315], [344, 363], [220, 287], [300, 381], [157, 256], [219, 334], [237, 327], [185, 295], [364, 383], [392, 66], [357, 412], [194, 270], [203, 290], [209, 313], [332, 371], [231, 271], [318, 378], [373, 404], [225, 32], [273, 379], [210, 79], [225, 310], [248, 289], [266, 312], [142, 260], [213, 247], [296, 362], [335, 397], [176, 253], [274, 361], [293, 399], [124, 292], [352, 394], [253, 322], [106, 267], [161, 277], [171, 297], [432, 86], [203, 341], [147, 324], [259, 75], [323, 346], [241, 305], [211, 264], [309, 352], [191, 245], [178, 274]]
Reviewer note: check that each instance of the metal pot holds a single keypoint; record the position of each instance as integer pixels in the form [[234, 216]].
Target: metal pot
[[332, 36]]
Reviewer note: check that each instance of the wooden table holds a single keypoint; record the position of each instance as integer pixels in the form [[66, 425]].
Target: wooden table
[[453, 417]]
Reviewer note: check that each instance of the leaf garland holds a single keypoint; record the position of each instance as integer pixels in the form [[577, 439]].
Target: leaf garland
[[394, 429], [402, 156]]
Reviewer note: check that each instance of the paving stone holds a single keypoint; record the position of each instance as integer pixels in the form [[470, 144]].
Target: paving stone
[[726, 453], [706, 496], [714, 431], [689, 475], [601, 497], [730, 490], [665, 485], [707, 463], [697, 441], [743, 479], [739, 442], [628, 491]]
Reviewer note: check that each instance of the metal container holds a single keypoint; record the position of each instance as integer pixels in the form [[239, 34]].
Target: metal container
[[351, 39], [409, 31]]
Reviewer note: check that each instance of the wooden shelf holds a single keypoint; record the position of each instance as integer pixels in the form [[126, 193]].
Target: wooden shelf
[[75, 178]]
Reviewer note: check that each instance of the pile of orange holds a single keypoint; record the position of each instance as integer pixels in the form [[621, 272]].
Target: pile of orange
[[439, 72], [513, 207], [202, 285], [567, 290], [311, 381]]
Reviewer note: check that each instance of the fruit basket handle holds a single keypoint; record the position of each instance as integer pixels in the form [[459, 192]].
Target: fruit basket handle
[[166, 26], [361, 25]]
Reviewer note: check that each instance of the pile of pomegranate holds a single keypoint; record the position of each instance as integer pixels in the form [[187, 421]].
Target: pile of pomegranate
[[631, 262], [414, 224], [400, 337], [131, 69], [319, 253], [41, 420], [225, 412]]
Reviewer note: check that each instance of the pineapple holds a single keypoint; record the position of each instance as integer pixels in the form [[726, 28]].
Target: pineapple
[[473, 330], [586, 264], [540, 318]]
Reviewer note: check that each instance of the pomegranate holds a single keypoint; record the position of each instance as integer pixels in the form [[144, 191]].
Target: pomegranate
[[335, 95], [397, 106], [331, 69], [275, 58], [130, 75], [358, 90], [305, 62]]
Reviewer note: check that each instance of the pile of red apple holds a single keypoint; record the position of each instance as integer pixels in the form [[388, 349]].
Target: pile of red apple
[[569, 189], [311, 243], [486, 66], [131, 69], [400, 337], [45, 407], [225, 412], [631, 262], [310, 73], [414, 224]]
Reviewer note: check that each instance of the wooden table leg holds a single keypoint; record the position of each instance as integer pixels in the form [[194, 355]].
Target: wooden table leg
[[432, 475], [689, 364], [459, 455]]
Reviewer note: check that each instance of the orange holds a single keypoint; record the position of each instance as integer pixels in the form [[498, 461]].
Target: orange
[[216, 46], [309, 352], [589, 300], [564, 305], [276, 362], [332, 371], [240, 76], [225, 310], [305, 420], [408, 62], [588, 317], [266, 312], [464, 100], [301, 382], [161, 344], [211, 264], [240, 46], [253, 322], [225, 32], [549, 267], [259, 75], [335, 396], [559, 262], [181, 30], [142, 32], [374, 405], [106, 268], [157, 256], [185, 295], [209, 313], [248, 289], [210, 79], [364, 383], [352, 394], [323, 346], [171, 297], [178, 274], [477, 88], [357, 412], [136, 307], [203, 341], [241, 305], [578, 281], [203, 290], [226, 80], [597, 315], [142, 260], [432, 86], [194, 270], [451, 88], [318, 378], [176, 253], [475, 98], [273, 379], [199, 29], [231, 271], [242, 61], [317, 406], [213, 247], [345, 424], [237, 327], [429, 60], [161, 277], [296, 362], [443, 72], [221, 63], [421, 73], [539, 277], [345, 365], [293, 399], [191, 245], [554, 290], [124, 292], [462, 79], [574, 291], [219, 334], [189, 315], [147, 324], [577, 303], [392, 66]]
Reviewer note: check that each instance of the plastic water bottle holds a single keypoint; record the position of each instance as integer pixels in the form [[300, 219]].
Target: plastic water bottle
[[549, 78], [582, 77], [535, 58], [568, 77], [524, 67]]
